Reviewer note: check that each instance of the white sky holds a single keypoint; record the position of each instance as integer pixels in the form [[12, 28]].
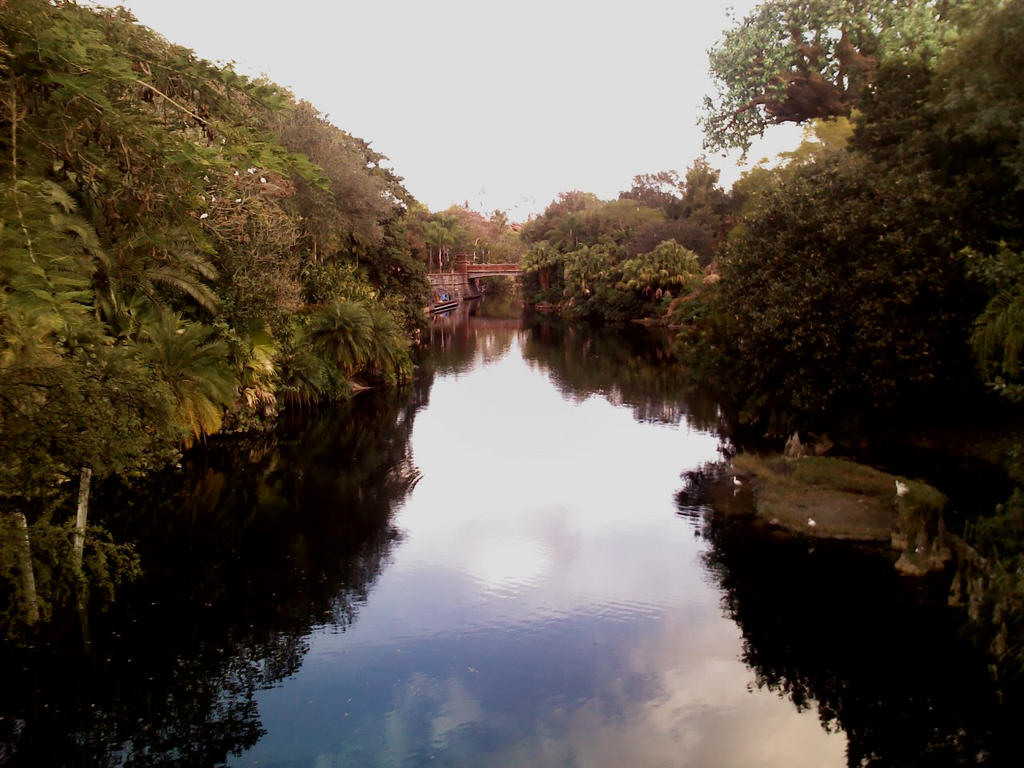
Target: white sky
[[501, 104]]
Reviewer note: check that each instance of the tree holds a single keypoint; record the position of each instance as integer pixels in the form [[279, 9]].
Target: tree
[[842, 300], [443, 233], [656, 190], [795, 60], [666, 268], [998, 334], [167, 224], [542, 272], [196, 368], [559, 222]]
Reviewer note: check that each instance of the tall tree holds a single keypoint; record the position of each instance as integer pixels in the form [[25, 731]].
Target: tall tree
[[794, 60]]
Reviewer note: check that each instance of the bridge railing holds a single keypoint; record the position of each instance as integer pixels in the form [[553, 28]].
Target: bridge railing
[[467, 268], [492, 269]]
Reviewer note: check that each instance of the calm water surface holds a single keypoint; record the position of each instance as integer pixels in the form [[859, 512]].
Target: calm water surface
[[511, 564], [546, 604]]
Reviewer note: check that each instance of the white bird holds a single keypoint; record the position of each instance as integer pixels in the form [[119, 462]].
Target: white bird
[[901, 489], [736, 481], [810, 522]]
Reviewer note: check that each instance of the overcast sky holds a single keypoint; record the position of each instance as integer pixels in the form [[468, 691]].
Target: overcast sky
[[503, 105]]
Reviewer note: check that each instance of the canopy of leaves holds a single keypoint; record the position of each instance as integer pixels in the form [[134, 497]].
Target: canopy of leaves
[[173, 240], [841, 299], [667, 267], [795, 60], [146, 191]]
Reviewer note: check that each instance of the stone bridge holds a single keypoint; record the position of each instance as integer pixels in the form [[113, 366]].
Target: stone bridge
[[461, 281]]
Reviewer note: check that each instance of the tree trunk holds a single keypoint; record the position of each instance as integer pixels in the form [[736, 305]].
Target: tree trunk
[[83, 513], [28, 576]]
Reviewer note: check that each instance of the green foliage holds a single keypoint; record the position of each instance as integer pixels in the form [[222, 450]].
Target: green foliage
[[585, 268], [872, 274], [598, 283], [147, 184], [168, 228], [198, 371], [839, 298], [998, 335], [981, 91], [656, 190], [96, 406], [46, 256], [618, 260], [106, 565], [667, 268], [360, 339], [307, 377], [258, 356], [388, 355], [342, 332], [794, 61], [542, 269], [999, 539]]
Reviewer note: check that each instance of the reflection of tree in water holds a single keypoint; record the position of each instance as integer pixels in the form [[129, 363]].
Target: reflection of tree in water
[[458, 338], [832, 625], [627, 366], [245, 551]]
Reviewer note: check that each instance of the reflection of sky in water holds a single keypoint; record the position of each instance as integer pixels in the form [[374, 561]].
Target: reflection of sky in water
[[546, 607]]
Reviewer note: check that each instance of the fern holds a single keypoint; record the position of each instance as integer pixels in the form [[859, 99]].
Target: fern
[[998, 334]]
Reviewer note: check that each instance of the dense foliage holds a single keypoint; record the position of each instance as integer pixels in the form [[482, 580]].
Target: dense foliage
[[627, 258], [442, 237], [793, 60], [868, 274], [874, 278], [183, 249]]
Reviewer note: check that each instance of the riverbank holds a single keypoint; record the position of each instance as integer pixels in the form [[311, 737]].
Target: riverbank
[[839, 499]]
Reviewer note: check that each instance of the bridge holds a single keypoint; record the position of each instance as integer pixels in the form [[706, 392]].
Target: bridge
[[460, 281], [489, 270]]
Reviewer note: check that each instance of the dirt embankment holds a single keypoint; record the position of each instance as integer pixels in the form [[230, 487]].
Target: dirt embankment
[[840, 499]]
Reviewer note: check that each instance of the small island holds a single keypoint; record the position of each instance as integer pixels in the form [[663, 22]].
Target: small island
[[837, 498]]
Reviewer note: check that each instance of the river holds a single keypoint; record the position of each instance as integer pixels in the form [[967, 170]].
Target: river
[[509, 563]]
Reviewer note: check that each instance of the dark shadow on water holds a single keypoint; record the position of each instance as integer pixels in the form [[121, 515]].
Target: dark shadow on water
[[631, 366], [830, 624], [253, 543]]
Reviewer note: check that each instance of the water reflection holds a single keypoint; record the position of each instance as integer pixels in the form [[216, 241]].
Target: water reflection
[[489, 569], [245, 550], [629, 366], [544, 606], [474, 333], [831, 627]]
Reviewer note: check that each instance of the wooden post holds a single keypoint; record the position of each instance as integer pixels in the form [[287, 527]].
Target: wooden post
[[77, 547], [28, 575], [80, 520]]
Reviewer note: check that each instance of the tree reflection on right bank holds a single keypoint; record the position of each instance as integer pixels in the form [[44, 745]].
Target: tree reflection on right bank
[[829, 624], [629, 366]]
